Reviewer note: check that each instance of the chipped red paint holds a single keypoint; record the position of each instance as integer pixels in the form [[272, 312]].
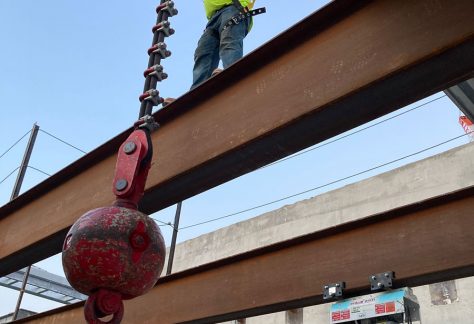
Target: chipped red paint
[[133, 164], [100, 252]]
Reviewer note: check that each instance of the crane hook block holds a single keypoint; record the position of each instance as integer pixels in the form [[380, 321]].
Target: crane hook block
[[117, 252]]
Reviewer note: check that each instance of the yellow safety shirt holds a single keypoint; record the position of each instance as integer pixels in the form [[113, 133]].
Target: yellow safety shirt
[[211, 6]]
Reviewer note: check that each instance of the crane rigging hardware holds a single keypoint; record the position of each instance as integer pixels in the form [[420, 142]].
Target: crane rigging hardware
[[117, 252], [157, 52]]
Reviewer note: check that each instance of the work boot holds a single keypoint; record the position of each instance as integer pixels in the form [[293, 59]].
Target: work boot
[[167, 101], [216, 71]]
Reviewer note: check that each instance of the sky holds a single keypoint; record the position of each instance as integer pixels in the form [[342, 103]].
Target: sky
[[75, 68]]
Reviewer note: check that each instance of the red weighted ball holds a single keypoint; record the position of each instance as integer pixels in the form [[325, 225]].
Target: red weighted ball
[[114, 248]]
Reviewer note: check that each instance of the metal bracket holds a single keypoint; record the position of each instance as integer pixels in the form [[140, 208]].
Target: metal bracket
[[152, 95], [159, 49], [334, 290], [147, 122], [156, 71], [168, 7], [163, 27], [382, 280]]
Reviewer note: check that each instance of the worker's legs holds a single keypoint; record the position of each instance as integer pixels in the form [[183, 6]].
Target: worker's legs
[[216, 43], [206, 56], [231, 46]]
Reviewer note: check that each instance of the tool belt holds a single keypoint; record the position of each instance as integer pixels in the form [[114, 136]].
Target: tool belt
[[243, 15]]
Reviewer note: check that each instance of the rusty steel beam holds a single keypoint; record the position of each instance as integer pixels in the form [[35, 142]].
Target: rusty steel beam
[[423, 243], [345, 65]]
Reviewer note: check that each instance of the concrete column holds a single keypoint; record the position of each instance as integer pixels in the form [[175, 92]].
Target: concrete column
[[294, 316]]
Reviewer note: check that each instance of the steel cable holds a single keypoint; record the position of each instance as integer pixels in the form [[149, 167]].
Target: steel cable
[[162, 223], [40, 171], [63, 141], [352, 133], [14, 144], [3, 180], [327, 143], [325, 185]]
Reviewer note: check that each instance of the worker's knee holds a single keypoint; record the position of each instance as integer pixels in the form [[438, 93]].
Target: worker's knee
[[207, 44], [233, 36]]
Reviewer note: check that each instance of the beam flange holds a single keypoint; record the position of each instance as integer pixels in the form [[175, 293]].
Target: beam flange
[[345, 65], [291, 274], [462, 95]]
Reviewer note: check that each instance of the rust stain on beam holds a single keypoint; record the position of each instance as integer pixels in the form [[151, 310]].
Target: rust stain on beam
[[343, 66], [423, 243]]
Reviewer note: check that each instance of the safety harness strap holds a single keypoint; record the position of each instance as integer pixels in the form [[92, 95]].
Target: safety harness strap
[[242, 16], [245, 13]]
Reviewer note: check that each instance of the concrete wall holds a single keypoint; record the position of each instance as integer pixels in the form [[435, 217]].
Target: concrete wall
[[434, 176]]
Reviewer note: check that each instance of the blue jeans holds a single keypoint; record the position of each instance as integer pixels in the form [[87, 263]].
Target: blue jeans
[[217, 44]]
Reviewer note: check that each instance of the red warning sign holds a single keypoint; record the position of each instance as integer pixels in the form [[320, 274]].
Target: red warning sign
[[345, 314], [379, 308], [336, 316], [390, 307]]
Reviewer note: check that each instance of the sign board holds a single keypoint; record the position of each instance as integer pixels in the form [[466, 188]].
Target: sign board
[[372, 306]]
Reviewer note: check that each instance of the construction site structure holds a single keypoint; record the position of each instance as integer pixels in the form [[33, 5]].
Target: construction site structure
[[358, 59]]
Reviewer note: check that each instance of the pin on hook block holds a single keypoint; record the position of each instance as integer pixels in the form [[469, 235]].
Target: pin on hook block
[[159, 49]]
